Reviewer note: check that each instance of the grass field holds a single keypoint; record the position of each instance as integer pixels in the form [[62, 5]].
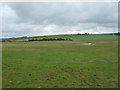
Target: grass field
[[73, 37], [61, 64]]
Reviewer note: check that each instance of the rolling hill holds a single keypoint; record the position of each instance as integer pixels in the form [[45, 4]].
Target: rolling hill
[[72, 37]]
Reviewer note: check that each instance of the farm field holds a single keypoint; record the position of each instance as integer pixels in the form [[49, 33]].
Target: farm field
[[73, 37], [61, 64]]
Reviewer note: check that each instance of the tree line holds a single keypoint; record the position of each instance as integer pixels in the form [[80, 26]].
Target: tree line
[[51, 39]]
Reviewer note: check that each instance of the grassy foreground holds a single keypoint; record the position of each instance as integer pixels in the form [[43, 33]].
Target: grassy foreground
[[60, 64]]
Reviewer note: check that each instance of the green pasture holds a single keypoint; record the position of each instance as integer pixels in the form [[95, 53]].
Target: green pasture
[[73, 37], [61, 64]]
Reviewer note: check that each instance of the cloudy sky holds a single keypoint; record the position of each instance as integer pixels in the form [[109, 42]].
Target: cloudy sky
[[47, 18]]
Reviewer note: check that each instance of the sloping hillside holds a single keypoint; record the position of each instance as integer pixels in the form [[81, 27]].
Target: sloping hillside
[[72, 37]]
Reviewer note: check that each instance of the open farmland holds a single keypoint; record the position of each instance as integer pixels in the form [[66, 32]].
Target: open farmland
[[73, 37], [65, 64]]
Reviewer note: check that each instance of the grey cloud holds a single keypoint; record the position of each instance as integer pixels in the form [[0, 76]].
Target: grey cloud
[[56, 18], [66, 13]]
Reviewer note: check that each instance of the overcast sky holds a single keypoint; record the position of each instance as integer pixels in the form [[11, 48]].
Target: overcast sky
[[47, 18]]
